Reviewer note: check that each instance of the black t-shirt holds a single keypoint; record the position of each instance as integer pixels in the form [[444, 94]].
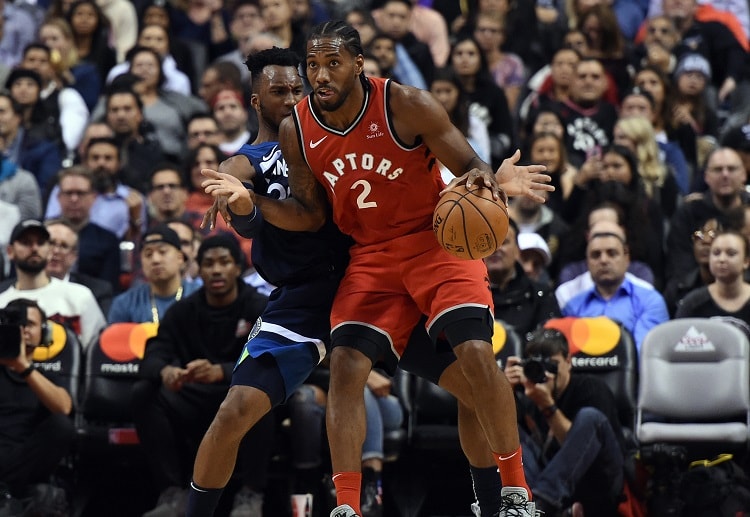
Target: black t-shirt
[[699, 304]]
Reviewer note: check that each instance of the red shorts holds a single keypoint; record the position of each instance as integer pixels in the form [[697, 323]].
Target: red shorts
[[387, 287]]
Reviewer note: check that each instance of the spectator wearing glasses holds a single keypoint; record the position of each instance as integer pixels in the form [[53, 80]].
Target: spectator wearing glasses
[[202, 129], [167, 197], [99, 249], [725, 176], [700, 275], [63, 243]]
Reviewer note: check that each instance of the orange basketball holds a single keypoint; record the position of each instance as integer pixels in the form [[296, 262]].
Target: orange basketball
[[470, 224]]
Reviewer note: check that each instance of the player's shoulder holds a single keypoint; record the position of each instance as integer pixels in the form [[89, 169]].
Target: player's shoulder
[[257, 151]]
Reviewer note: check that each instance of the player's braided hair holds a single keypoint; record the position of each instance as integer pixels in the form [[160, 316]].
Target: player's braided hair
[[273, 56], [346, 33]]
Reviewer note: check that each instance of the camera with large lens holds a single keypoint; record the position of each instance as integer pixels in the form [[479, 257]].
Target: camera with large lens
[[535, 368], [11, 321]]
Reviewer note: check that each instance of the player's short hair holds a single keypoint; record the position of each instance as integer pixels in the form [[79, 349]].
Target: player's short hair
[[271, 57], [339, 29]]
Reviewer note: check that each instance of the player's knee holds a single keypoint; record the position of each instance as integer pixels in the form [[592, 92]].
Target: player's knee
[[238, 411], [348, 366]]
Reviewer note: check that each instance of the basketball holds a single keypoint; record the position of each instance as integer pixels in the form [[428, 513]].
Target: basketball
[[470, 224]]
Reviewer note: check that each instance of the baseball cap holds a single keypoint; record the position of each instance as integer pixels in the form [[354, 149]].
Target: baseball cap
[[693, 63], [18, 73], [28, 225], [529, 241], [162, 233]]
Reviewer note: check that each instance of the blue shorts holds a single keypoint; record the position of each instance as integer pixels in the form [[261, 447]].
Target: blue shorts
[[295, 330]]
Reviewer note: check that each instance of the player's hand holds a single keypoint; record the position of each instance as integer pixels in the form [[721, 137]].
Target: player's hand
[[523, 180], [478, 177], [221, 184], [379, 385], [218, 208]]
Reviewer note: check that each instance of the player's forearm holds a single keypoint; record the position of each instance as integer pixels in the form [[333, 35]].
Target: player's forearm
[[289, 214]]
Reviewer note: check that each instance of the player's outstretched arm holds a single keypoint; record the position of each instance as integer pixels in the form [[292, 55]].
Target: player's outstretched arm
[[306, 209], [523, 180]]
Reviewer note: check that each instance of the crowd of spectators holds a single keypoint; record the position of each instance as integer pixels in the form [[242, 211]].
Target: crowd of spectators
[[638, 109]]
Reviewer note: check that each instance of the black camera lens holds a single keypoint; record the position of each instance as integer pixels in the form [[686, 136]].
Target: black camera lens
[[534, 370]]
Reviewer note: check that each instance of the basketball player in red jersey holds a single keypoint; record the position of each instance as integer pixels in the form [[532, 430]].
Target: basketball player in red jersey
[[369, 147]]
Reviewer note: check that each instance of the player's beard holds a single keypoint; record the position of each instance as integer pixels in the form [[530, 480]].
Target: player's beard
[[32, 268]]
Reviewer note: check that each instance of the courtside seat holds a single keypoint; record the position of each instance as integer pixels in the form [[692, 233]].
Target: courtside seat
[[603, 347], [111, 370], [695, 386], [62, 358]]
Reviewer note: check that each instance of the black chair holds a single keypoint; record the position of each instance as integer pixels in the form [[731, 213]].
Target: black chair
[[62, 357]]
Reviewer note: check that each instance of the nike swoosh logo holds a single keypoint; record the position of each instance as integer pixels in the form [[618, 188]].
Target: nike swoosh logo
[[273, 151], [313, 145]]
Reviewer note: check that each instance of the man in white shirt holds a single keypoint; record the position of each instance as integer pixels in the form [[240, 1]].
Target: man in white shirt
[[67, 303]]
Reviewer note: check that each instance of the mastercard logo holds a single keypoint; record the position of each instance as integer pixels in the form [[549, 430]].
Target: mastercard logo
[[59, 340], [499, 338], [592, 336], [123, 342]]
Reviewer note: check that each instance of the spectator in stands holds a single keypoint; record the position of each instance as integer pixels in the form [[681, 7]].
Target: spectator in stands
[[19, 29], [520, 302], [219, 76], [638, 102], [231, 116], [36, 431], [506, 68], [588, 118], [394, 62], [713, 40], [18, 187], [202, 129], [167, 196], [189, 243], [277, 15], [548, 149], [448, 89], [59, 101], [156, 38], [69, 304], [606, 43], [83, 77], [204, 156], [535, 257], [728, 296], [551, 84], [613, 294], [573, 446], [139, 150], [637, 134], [91, 36], [185, 377], [248, 42], [725, 176], [394, 21], [362, 20], [99, 249], [656, 48], [684, 282], [246, 17], [63, 243], [162, 260], [487, 99], [38, 156], [117, 207]]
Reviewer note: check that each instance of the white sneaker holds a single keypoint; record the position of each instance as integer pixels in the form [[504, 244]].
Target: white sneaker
[[343, 511], [475, 510], [515, 503]]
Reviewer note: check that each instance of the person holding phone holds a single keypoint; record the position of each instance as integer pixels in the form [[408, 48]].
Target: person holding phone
[[36, 430]]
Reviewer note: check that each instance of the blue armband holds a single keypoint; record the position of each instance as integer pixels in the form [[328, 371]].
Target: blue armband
[[247, 225]]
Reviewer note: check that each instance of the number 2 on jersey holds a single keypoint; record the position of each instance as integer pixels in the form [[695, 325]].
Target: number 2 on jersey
[[362, 198]]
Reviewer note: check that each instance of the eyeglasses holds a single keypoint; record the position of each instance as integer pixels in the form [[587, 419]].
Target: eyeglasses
[[165, 186], [74, 193], [700, 235], [62, 246]]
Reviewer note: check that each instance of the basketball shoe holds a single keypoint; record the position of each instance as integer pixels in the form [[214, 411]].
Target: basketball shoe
[[343, 511], [515, 503]]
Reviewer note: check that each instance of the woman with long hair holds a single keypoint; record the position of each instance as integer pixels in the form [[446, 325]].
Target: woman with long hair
[[91, 36], [637, 134]]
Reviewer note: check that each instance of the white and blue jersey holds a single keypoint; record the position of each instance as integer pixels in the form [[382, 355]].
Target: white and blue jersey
[[306, 267]]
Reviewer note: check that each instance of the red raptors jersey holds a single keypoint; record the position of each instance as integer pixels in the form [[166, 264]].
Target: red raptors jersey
[[379, 187]]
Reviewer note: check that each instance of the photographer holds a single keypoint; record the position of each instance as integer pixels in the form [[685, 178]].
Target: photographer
[[570, 433], [35, 429]]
